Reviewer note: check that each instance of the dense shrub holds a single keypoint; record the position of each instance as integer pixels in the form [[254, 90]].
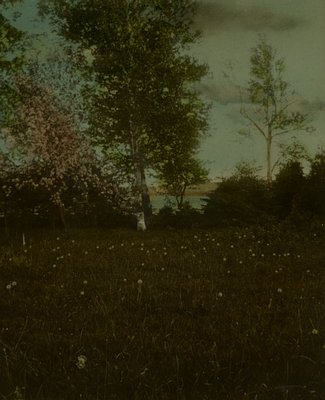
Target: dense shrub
[[240, 199], [186, 217], [287, 189], [313, 193]]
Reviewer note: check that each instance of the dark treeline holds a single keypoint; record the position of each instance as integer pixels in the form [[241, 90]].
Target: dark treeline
[[241, 199]]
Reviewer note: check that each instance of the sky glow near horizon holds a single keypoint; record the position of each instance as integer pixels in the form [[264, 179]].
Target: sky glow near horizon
[[230, 28]]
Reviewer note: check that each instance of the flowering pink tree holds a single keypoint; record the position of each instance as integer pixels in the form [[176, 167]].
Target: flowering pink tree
[[50, 155]]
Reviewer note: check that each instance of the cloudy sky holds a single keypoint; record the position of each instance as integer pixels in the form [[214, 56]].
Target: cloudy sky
[[296, 28], [230, 28]]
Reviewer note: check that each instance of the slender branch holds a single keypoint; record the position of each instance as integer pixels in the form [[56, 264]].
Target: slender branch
[[244, 113], [284, 132]]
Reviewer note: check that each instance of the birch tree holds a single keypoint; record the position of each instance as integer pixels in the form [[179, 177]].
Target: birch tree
[[144, 96], [273, 115]]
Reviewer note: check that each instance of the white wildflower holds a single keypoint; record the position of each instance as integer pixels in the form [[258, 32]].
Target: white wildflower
[[81, 362]]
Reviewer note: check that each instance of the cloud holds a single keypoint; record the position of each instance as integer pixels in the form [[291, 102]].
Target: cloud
[[215, 16], [223, 93]]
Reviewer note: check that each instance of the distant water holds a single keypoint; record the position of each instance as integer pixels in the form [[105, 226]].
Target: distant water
[[160, 201]]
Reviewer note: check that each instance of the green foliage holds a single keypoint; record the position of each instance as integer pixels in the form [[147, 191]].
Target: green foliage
[[287, 189], [272, 114], [11, 60], [313, 195], [143, 108], [241, 199], [177, 174]]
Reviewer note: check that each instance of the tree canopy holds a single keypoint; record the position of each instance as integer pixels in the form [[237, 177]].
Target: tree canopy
[[143, 105]]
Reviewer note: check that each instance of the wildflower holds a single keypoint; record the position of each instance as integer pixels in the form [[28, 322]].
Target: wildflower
[[85, 282], [14, 283], [8, 287], [308, 271], [86, 252], [97, 247], [240, 262], [81, 362], [280, 290], [54, 266], [140, 282], [220, 294], [315, 332], [225, 259], [82, 293], [125, 280], [163, 269]]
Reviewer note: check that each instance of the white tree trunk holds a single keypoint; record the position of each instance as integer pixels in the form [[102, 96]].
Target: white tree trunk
[[141, 223]]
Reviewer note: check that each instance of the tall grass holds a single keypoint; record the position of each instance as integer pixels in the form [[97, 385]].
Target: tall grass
[[232, 314]]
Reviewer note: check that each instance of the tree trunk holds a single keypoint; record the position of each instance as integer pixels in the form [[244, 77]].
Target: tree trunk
[[269, 160], [145, 196], [61, 216], [180, 202], [143, 209], [139, 213]]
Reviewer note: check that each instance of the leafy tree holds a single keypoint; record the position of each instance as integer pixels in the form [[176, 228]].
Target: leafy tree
[[313, 197], [144, 100], [177, 174], [50, 155], [272, 115], [287, 188], [11, 59], [243, 198]]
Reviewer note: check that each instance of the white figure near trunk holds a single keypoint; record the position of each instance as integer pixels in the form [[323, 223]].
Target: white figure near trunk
[[141, 224]]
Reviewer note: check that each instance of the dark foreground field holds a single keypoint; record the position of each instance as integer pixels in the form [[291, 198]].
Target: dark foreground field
[[233, 314]]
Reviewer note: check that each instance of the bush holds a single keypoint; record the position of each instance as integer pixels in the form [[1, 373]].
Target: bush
[[287, 189], [313, 193], [240, 199]]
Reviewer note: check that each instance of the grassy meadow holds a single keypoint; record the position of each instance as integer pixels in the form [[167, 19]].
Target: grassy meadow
[[117, 314]]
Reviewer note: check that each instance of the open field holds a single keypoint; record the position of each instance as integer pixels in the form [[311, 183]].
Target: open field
[[232, 314]]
